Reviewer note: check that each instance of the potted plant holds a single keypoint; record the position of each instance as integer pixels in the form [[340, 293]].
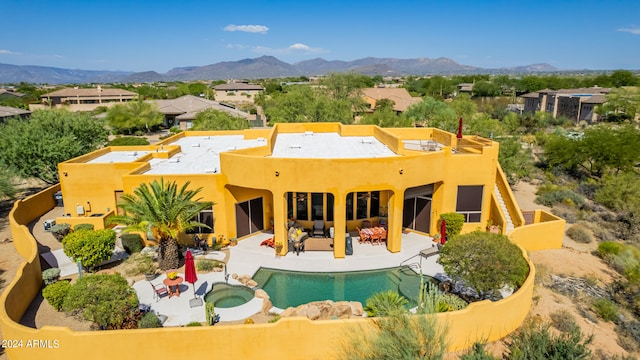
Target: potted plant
[[233, 241]]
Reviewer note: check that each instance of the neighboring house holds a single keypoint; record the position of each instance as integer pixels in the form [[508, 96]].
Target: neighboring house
[[77, 99], [575, 104], [237, 92], [400, 96], [10, 94], [465, 88], [345, 176], [183, 110], [7, 112]]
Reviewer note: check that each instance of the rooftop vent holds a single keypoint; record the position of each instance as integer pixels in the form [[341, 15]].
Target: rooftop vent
[[196, 145], [366, 141], [308, 133], [295, 146]]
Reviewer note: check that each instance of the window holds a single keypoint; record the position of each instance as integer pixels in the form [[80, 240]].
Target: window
[[469, 202], [205, 217], [349, 210], [374, 209], [301, 206], [329, 207], [361, 210], [317, 206]]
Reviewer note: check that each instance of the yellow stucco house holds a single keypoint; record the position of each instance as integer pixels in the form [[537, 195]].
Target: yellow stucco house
[[258, 179]]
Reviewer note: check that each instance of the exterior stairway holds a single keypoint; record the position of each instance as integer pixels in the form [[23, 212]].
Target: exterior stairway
[[505, 210]]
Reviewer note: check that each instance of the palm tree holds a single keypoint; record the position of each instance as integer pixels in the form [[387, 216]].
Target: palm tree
[[166, 211]]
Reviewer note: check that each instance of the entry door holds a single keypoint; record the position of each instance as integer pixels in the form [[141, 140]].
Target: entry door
[[417, 213], [249, 217]]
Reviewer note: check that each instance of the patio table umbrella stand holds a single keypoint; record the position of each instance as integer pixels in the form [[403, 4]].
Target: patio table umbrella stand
[[191, 277]]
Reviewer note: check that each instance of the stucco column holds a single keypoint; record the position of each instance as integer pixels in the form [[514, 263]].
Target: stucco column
[[339, 224], [280, 222], [394, 231]]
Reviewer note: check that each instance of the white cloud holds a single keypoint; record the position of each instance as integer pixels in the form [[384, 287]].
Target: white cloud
[[247, 28], [295, 49], [8, 52], [635, 30]]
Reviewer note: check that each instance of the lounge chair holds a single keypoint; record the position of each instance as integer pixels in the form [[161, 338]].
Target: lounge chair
[[318, 228]]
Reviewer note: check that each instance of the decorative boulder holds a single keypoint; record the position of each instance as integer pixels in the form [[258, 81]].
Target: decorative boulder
[[356, 308], [261, 294], [266, 306]]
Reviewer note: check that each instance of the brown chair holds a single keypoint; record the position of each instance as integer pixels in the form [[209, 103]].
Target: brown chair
[[383, 235], [364, 237], [375, 236], [158, 291]]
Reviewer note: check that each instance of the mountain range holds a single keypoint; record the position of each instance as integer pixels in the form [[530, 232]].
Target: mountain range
[[262, 67]]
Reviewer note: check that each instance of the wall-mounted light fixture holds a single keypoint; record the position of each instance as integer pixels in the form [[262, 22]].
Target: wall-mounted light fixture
[[64, 173], [277, 173], [401, 171]]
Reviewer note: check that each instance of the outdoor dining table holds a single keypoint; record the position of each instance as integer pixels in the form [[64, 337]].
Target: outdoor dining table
[[170, 283]]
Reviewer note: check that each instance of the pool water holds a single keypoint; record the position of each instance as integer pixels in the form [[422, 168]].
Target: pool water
[[292, 288], [225, 296]]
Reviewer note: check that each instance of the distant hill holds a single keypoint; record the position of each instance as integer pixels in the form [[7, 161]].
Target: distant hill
[[262, 67]]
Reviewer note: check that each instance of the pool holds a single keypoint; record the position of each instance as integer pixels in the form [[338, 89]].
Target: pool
[[223, 295], [293, 288]]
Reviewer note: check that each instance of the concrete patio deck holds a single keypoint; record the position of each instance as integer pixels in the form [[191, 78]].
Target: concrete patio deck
[[248, 256]]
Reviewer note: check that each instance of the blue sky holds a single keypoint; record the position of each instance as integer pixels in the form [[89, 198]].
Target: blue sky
[[160, 35]]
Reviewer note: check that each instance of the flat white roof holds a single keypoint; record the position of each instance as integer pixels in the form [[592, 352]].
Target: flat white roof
[[119, 157], [329, 146], [201, 154]]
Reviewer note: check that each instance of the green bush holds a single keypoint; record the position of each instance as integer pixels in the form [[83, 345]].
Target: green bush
[[275, 318], [92, 246], [609, 248], [193, 323], [50, 276], [550, 195], [132, 243], [477, 352], [59, 231], [563, 320], [433, 301], [499, 263], [83, 227], [534, 341], [128, 141], [106, 299], [139, 264], [606, 309], [385, 303], [580, 233], [623, 258], [55, 293], [454, 223], [207, 265], [149, 321]]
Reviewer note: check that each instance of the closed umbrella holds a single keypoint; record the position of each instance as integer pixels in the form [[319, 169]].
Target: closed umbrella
[[459, 134], [190, 271], [443, 231]]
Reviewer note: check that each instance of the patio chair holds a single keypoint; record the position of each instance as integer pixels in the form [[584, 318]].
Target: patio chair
[[364, 237], [318, 228], [158, 291], [383, 235], [375, 236]]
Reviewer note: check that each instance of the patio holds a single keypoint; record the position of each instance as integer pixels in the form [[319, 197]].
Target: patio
[[248, 256]]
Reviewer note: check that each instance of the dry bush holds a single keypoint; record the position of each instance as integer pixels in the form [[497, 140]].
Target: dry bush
[[580, 233]]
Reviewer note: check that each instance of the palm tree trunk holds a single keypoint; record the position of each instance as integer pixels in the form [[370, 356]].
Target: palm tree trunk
[[169, 258]]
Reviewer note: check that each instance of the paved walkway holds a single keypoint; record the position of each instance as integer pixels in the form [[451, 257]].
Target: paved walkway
[[248, 256]]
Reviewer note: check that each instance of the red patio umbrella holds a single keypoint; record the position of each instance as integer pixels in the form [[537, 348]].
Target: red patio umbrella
[[459, 134], [443, 231], [190, 271]]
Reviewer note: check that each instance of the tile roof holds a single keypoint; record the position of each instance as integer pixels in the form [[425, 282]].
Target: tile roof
[[68, 92], [400, 96], [238, 86], [8, 111], [189, 104]]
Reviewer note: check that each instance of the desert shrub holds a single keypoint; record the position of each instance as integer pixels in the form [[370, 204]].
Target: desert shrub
[[275, 318], [433, 300], [59, 231], [606, 309], [140, 263], [385, 303], [210, 314], [623, 258], [535, 341], [249, 321], [149, 321], [630, 329], [565, 212], [83, 227], [499, 263], [55, 293], [600, 230], [92, 246], [206, 265], [609, 249], [128, 141], [193, 323], [454, 224], [550, 195], [477, 352], [132, 243], [106, 299], [580, 233], [50, 276], [619, 192], [563, 320]]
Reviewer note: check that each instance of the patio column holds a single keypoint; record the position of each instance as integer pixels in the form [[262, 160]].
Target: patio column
[[280, 222], [339, 224], [394, 231]]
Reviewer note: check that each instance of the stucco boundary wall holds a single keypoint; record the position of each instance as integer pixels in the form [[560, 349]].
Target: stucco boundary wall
[[481, 321]]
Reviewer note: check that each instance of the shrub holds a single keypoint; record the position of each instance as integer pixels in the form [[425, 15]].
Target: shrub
[[193, 323], [50, 276], [59, 231], [499, 263], [132, 243], [477, 352], [275, 318], [249, 321], [563, 320], [454, 224], [83, 227], [432, 300], [106, 299], [580, 233], [55, 293], [140, 263], [210, 313], [207, 265], [550, 195], [609, 249], [569, 214], [92, 246], [128, 141], [606, 309], [149, 321], [534, 341], [385, 303]]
